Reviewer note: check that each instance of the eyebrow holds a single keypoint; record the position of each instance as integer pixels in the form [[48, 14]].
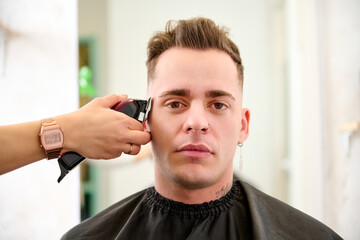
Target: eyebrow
[[186, 93], [176, 92], [218, 93]]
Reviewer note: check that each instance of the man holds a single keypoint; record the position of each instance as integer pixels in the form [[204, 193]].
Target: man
[[195, 77]]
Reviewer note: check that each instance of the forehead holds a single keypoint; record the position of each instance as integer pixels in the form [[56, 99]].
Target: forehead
[[195, 70]]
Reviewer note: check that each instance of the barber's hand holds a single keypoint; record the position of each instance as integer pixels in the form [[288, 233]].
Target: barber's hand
[[98, 132]]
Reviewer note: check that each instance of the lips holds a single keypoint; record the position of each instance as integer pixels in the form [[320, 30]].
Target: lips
[[193, 147], [197, 151]]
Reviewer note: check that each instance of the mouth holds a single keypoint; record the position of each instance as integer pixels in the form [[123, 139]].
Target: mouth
[[195, 151]]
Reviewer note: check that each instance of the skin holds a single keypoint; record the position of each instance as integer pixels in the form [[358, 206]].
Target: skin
[[94, 131], [196, 122]]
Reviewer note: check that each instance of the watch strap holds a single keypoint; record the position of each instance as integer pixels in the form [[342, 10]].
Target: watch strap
[[51, 154]]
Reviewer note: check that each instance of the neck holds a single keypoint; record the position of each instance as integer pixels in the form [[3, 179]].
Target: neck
[[193, 195]]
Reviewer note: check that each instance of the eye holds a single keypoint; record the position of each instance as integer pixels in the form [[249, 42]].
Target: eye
[[175, 105], [219, 106]]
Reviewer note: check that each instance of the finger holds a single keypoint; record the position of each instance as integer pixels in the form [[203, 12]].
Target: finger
[[111, 100], [136, 149], [138, 137], [124, 148], [133, 124], [130, 149], [133, 149]]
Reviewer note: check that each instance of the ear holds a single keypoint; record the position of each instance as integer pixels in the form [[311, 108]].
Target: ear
[[244, 132], [146, 126]]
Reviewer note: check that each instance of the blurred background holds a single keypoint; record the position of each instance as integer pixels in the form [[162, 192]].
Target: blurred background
[[302, 86]]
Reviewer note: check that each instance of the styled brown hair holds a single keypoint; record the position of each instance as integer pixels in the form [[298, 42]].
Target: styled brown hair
[[195, 33]]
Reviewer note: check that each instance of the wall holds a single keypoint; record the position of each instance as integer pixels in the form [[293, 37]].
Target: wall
[[92, 17], [93, 26], [39, 80], [341, 75], [324, 93], [304, 91]]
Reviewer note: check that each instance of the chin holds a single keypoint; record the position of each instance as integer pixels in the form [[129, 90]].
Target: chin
[[193, 181]]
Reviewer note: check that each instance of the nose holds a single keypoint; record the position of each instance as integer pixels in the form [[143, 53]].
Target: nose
[[196, 119]]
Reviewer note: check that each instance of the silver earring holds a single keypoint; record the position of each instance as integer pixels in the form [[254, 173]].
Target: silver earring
[[241, 161]]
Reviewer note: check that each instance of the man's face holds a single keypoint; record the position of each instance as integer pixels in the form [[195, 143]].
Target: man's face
[[197, 118]]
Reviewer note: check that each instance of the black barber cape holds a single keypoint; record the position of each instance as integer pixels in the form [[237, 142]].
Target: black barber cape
[[243, 213]]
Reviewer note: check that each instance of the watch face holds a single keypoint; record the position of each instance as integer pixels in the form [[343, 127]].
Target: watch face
[[52, 139]]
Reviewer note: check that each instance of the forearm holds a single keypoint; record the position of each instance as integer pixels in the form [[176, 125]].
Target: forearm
[[94, 131], [19, 145]]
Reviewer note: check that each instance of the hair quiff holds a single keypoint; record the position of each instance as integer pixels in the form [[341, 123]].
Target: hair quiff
[[195, 33]]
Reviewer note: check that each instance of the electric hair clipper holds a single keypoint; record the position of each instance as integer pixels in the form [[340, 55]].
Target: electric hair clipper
[[137, 109]]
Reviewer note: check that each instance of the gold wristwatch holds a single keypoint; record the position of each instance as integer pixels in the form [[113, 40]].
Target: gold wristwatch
[[51, 138]]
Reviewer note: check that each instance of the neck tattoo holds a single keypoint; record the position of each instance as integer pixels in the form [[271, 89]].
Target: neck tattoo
[[222, 192]]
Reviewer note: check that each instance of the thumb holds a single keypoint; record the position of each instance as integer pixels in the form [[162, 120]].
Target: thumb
[[111, 100]]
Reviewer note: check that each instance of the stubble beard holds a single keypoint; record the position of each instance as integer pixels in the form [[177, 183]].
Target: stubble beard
[[191, 181], [183, 178]]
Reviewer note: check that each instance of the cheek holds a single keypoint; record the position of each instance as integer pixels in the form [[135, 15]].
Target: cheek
[[229, 128], [228, 134], [227, 148], [161, 134]]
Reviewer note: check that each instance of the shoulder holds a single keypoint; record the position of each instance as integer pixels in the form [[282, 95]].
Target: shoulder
[[271, 216], [101, 225]]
